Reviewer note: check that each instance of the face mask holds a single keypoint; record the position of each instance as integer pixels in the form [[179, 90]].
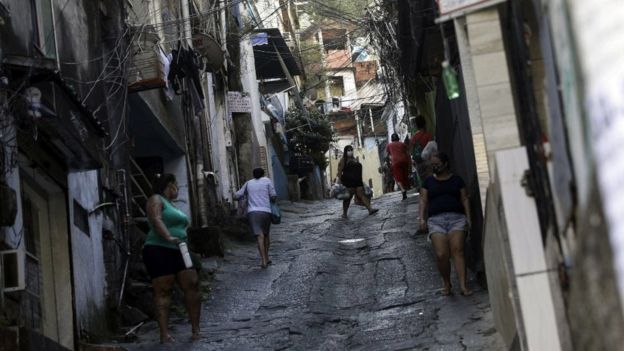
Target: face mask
[[350, 153], [439, 169]]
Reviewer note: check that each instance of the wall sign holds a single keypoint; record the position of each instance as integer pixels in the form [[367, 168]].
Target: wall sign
[[238, 103]]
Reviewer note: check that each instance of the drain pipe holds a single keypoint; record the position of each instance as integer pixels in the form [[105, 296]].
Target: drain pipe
[[122, 181]]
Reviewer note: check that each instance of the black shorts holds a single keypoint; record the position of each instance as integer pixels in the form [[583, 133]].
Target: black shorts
[[161, 261]]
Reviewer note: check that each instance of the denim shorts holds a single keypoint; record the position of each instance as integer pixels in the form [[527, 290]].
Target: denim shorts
[[447, 222]]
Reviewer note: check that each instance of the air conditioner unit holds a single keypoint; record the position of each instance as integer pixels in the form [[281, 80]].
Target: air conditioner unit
[[13, 272]]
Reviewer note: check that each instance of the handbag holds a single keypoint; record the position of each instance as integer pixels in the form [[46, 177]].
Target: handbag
[[276, 214], [241, 210]]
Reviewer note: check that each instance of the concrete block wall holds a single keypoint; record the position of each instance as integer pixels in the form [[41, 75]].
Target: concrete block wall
[[492, 82], [474, 108]]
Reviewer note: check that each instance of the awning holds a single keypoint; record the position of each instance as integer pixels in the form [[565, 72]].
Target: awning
[[53, 118], [152, 137], [264, 42]]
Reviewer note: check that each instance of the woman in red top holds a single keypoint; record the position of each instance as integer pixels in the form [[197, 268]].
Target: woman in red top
[[422, 137], [399, 156], [417, 144]]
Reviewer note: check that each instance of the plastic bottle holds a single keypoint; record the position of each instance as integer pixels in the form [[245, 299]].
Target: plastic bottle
[[185, 254], [450, 81]]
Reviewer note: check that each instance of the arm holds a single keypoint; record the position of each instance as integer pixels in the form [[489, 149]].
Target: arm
[[466, 203], [240, 192], [272, 193], [424, 199], [340, 168], [154, 216]]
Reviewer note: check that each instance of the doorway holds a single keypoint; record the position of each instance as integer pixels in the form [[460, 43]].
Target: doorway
[[47, 302]]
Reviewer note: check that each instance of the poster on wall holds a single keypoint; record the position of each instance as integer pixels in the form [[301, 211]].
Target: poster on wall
[[603, 71]]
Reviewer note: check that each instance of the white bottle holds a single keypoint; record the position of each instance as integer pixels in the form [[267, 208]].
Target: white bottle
[[185, 255]]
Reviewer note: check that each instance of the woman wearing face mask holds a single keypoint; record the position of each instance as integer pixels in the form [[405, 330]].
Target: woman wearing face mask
[[445, 211], [350, 175]]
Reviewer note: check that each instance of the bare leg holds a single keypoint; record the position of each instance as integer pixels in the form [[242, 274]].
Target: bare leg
[[456, 242], [189, 282], [359, 192], [441, 249], [162, 300], [263, 255], [346, 203], [267, 244]]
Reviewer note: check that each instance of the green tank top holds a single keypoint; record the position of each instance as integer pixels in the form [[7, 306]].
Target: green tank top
[[175, 221]]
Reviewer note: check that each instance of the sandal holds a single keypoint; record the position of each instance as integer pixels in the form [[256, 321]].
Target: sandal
[[466, 292], [168, 339]]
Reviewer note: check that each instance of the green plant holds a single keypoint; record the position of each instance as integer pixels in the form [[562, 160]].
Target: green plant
[[309, 136]]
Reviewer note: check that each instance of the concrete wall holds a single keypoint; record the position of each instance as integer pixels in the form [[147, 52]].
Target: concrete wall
[[87, 254], [219, 128], [250, 86], [516, 267]]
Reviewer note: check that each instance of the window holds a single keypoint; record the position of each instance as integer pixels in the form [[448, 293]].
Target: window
[[44, 27], [336, 86], [81, 218]]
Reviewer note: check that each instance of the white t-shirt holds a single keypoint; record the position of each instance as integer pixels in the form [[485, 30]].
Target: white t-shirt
[[259, 193]]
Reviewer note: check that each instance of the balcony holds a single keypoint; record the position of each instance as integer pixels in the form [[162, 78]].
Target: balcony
[[147, 64]]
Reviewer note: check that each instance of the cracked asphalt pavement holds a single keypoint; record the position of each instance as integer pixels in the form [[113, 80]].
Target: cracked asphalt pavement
[[365, 283]]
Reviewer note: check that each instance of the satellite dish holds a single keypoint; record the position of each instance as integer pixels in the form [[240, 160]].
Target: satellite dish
[[210, 48]]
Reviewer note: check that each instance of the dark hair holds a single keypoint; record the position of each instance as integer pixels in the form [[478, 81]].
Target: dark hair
[[346, 148], [161, 181], [421, 123], [258, 173], [442, 156], [394, 137]]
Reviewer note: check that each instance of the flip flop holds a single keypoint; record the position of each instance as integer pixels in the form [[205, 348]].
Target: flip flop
[[168, 340], [466, 293]]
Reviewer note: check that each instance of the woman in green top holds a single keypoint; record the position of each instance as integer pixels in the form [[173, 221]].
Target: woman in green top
[[163, 259]]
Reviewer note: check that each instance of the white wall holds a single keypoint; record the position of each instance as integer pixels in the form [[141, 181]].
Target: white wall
[[269, 15], [250, 86], [218, 129], [87, 251], [350, 91], [177, 167]]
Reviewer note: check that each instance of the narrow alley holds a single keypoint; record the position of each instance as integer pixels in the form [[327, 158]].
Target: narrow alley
[[366, 283]]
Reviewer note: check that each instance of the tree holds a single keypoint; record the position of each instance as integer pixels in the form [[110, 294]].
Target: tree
[[313, 139]]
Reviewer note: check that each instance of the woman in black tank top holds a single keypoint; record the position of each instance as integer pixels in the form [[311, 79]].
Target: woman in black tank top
[[350, 175]]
